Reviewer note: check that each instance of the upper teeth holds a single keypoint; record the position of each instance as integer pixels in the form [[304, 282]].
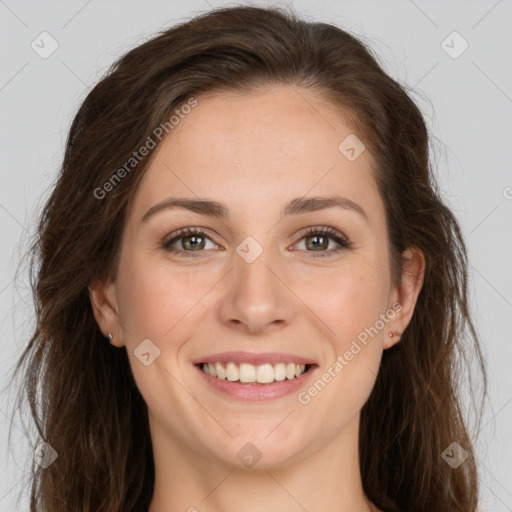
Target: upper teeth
[[263, 373]]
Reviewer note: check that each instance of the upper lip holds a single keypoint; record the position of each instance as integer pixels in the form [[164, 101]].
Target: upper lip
[[254, 358]]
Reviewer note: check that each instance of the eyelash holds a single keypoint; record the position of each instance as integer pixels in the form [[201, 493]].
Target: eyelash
[[332, 233]]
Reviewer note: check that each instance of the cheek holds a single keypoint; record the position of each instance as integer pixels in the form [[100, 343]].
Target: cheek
[[155, 298], [353, 310], [347, 300]]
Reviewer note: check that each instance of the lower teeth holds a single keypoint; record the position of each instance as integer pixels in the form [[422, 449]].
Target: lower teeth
[[253, 383]]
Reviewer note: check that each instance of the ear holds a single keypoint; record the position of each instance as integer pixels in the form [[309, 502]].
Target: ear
[[104, 307], [406, 293]]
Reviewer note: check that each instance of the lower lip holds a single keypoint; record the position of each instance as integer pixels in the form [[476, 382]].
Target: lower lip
[[256, 392]]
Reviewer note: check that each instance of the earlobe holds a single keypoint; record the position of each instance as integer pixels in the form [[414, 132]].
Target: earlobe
[[406, 293], [104, 307]]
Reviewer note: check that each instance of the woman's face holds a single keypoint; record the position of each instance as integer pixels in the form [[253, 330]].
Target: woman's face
[[276, 280]]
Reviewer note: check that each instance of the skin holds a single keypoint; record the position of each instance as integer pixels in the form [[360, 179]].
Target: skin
[[254, 153]]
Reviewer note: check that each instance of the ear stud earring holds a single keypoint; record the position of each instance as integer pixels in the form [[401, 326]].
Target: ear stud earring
[[396, 333], [109, 336]]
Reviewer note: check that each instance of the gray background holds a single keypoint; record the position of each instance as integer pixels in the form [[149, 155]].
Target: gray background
[[467, 102]]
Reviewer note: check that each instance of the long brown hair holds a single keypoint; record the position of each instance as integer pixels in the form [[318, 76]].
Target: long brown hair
[[81, 393]]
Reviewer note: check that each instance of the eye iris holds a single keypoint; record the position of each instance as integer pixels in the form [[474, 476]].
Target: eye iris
[[317, 246], [194, 244]]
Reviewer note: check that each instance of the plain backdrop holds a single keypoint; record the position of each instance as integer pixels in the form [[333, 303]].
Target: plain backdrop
[[462, 82]]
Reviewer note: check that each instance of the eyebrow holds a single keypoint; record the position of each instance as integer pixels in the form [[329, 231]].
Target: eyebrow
[[296, 206]]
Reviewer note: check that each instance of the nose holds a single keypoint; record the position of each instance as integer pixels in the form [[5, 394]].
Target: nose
[[257, 299]]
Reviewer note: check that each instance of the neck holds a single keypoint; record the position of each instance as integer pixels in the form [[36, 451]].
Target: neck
[[328, 479]]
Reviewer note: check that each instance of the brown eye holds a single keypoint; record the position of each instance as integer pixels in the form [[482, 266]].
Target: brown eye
[[190, 240], [317, 241]]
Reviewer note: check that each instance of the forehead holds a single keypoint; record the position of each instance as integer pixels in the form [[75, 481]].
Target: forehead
[[269, 145], [273, 125]]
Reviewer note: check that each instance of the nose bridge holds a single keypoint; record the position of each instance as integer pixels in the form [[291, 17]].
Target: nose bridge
[[257, 296]]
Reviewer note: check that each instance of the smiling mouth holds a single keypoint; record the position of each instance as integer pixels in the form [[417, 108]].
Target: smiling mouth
[[245, 373]]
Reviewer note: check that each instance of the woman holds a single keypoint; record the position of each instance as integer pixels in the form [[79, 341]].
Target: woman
[[247, 212]]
